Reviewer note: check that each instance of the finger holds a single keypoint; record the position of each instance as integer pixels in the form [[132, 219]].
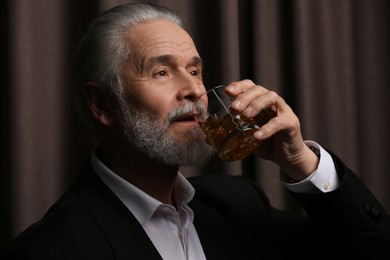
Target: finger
[[282, 120], [255, 100], [267, 130], [238, 87]]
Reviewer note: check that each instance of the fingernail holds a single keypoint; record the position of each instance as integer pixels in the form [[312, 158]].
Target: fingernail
[[235, 104], [247, 112], [230, 88], [258, 135]]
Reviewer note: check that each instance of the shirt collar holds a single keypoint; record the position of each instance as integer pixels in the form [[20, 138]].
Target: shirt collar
[[138, 202]]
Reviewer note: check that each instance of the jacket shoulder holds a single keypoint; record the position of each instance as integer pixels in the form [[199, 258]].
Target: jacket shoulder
[[61, 232]]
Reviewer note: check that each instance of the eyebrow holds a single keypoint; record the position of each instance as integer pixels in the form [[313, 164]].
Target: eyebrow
[[165, 59]]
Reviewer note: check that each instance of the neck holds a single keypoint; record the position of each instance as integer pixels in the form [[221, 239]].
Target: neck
[[154, 178]]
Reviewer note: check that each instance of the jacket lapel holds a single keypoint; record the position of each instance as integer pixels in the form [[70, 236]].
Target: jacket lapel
[[215, 234], [232, 218], [124, 234]]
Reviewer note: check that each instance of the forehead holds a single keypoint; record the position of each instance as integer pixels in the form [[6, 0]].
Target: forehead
[[158, 37]]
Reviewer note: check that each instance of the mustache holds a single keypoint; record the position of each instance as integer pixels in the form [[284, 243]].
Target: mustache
[[186, 111]]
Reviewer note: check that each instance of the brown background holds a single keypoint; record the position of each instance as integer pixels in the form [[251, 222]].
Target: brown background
[[328, 58]]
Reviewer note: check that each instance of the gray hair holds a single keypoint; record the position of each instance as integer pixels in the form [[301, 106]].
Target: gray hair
[[104, 48]]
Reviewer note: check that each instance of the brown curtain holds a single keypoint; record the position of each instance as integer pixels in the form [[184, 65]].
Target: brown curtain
[[329, 59]]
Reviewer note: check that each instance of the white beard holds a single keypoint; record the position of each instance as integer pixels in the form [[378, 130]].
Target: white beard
[[151, 137]]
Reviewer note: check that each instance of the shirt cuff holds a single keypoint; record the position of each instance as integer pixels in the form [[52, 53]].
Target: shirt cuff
[[323, 179]]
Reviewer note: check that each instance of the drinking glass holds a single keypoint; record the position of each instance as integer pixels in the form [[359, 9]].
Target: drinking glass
[[228, 132]]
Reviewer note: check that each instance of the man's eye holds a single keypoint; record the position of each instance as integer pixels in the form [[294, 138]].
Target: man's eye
[[194, 72], [161, 73]]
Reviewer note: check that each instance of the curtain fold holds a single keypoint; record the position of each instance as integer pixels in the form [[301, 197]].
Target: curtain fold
[[328, 58]]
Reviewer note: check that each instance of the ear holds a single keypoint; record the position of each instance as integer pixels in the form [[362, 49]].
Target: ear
[[100, 103]]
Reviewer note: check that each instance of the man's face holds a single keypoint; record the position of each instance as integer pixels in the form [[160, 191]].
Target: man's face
[[162, 78]]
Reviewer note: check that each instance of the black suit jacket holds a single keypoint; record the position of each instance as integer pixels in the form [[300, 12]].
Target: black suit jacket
[[233, 218]]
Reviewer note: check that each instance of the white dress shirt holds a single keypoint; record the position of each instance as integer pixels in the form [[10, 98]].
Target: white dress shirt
[[323, 179], [171, 230]]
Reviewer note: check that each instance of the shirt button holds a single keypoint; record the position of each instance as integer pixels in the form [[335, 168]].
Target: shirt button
[[326, 185]]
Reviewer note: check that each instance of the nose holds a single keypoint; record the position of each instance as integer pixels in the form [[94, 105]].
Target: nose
[[191, 88]]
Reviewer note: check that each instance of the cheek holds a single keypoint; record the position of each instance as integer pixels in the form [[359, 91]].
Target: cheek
[[157, 106], [148, 98], [204, 100]]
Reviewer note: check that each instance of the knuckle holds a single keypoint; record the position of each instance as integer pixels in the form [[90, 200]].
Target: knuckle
[[272, 94], [248, 81]]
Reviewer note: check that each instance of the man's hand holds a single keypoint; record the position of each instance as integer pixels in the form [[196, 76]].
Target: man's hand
[[281, 135]]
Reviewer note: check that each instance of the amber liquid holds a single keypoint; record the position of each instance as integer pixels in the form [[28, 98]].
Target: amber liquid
[[231, 136]]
